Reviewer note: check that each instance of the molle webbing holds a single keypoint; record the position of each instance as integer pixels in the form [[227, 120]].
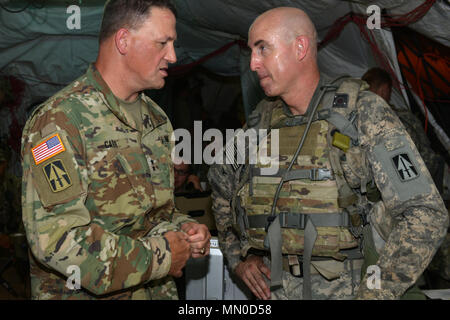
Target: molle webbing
[[314, 174], [298, 220]]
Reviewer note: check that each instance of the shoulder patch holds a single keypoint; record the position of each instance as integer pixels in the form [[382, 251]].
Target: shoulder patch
[[398, 169], [48, 149], [57, 180], [57, 175], [404, 167]]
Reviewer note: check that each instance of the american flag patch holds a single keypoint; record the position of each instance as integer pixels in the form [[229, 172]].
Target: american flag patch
[[47, 149]]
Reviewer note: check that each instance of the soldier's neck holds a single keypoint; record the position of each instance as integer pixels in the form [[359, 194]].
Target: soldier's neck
[[300, 95], [116, 79]]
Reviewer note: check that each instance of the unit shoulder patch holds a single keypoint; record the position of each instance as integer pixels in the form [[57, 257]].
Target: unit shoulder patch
[[56, 180], [57, 176], [404, 167]]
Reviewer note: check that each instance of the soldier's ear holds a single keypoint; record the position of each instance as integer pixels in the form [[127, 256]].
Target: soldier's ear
[[121, 39], [301, 47]]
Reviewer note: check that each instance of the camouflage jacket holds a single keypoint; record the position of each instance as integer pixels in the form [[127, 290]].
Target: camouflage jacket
[[417, 133], [418, 216], [97, 193]]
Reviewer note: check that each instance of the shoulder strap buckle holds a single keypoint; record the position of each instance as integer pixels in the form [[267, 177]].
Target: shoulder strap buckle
[[319, 174]]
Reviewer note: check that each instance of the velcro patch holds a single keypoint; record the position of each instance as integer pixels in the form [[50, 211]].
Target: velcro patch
[[48, 149], [57, 179], [400, 169], [57, 176], [340, 100], [404, 167]]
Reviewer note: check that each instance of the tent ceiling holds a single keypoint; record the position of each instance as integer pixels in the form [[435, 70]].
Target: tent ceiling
[[37, 44]]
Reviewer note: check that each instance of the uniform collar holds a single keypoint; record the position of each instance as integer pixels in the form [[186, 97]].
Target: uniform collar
[[322, 81], [151, 116]]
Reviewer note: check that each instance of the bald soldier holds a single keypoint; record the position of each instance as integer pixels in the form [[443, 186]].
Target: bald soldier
[[350, 185], [98, 179]]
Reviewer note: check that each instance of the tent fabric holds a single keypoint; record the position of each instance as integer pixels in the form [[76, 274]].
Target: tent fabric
[[37, 46]]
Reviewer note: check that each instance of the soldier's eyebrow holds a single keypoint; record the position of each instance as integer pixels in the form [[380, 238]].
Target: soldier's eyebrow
[[167, 38], [258, 42]]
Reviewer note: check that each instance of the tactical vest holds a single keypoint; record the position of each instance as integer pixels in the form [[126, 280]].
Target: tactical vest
[[318, 185], [313, 191]]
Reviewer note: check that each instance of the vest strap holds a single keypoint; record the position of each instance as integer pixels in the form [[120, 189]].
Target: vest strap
[[314, 174], [310, 239], [298, 220]]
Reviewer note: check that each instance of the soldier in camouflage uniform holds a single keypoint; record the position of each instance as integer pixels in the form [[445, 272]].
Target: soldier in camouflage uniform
[[97, 174], [372, 174]]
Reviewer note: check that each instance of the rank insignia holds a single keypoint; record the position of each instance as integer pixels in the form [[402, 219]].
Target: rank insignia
[[47, 149], [57, 176]]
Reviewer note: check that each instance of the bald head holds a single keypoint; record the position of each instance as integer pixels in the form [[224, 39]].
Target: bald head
[[283, 42], [289, 23]]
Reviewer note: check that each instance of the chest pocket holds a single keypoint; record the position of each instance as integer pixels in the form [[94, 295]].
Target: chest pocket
[[119, 181]]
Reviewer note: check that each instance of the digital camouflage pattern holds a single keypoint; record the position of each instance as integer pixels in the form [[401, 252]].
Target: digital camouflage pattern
[[435, 164], [221, 179], [344, 287], [419, 218], [441, 261], [414, 217], [104, 203]]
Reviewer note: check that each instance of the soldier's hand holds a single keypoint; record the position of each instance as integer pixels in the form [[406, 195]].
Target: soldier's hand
[[179, 247], [198, 237], [253, 272]]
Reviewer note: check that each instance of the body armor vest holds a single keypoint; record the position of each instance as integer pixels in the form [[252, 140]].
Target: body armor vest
[[317, 188], [314, 192]]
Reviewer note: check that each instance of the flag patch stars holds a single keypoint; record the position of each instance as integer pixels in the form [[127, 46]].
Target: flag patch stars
[[405, 167], [47, 149]]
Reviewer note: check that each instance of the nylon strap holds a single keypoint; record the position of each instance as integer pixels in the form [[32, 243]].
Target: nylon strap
[[273, 237], [276, 264], [310, 239], [315, 174], [298, 220], [343, 125]]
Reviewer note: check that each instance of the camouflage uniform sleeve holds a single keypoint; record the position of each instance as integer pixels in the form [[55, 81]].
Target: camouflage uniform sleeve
[[221, 180], [417, 133], [415, 219], [59, 227], [179, 218]]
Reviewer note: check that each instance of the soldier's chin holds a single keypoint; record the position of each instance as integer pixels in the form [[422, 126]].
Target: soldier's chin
[[269, 92], [158, 85]]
